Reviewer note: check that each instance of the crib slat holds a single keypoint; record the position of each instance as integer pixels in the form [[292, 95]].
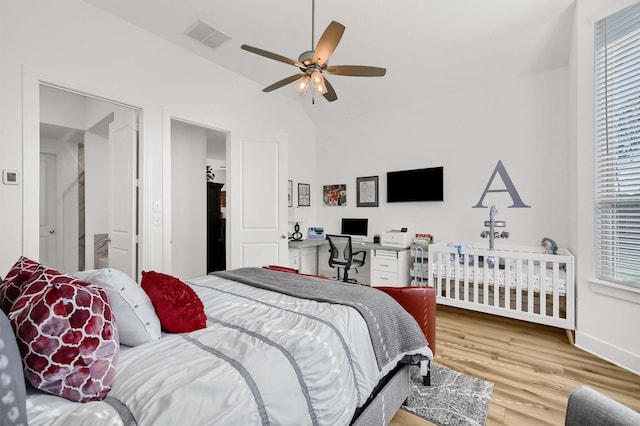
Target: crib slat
[[465, 283], [519, 285], [456, 275], [496, 282], [530, 288], [476, 296], [507, 283], [556, 290], [542, 280]]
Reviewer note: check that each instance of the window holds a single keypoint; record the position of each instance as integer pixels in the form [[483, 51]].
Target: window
[[617, 150]]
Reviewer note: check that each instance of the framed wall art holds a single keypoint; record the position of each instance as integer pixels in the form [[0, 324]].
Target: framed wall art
[[334, 195], [304, 195], [367, 191], [289, 193]]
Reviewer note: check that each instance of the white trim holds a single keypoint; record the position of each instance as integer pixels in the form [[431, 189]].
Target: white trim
[[605, 350], [611, 289], [169, 114]]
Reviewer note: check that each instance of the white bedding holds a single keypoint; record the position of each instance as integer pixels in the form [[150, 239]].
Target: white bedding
[[445, 269], [263, 358]]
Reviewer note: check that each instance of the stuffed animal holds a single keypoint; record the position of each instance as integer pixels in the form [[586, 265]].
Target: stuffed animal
[[550, 246]]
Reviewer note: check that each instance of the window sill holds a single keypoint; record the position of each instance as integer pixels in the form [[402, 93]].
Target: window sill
[[619, 291]]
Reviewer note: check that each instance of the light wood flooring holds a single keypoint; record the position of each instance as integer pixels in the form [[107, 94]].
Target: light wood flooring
[[533, 367]]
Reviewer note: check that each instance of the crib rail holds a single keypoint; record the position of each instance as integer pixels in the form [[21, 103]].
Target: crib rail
[[523, 284]]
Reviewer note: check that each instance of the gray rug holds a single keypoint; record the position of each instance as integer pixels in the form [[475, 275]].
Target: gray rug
[[452, 399]]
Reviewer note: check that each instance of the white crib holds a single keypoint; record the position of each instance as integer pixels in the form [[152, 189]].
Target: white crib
[[524, 284]]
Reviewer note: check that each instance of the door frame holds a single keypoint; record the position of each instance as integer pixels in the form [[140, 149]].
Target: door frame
[[169, 114], [31, 81]]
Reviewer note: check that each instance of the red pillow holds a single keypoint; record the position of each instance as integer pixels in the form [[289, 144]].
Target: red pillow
[[179, 308], [67, 336], [12, 283]]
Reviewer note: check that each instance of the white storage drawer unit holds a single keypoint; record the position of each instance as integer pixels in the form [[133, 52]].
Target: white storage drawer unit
[[390, 268]]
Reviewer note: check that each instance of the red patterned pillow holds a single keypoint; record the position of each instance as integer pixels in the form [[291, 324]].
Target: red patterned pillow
[[12, 283], [179, 308], [67, 336]]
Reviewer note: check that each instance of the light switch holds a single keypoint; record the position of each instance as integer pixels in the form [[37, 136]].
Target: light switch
[[156, 219], [157, 206], [10, 177]]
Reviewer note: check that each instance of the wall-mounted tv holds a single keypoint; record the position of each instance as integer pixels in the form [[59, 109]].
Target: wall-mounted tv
[[415, 185]]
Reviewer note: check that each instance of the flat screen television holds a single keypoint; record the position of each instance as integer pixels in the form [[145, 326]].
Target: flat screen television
[[415, 185], [358, 227]]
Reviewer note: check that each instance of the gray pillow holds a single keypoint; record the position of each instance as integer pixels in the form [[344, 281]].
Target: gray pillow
[[13, 409]]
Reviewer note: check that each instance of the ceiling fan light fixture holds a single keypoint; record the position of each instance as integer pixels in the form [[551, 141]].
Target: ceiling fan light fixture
[[316, 78], [302, 84], [317, 81], [320, 88]]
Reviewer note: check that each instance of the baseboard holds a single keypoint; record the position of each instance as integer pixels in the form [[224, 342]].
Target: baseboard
[[615, 355]]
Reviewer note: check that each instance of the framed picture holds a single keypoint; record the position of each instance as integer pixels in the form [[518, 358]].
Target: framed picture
[[334, 195], [289, 193], [367, 191], [304, 195]]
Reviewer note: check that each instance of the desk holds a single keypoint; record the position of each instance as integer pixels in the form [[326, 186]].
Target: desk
[[385, 265]]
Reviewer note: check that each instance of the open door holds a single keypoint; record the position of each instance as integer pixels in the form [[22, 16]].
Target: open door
[[49, 248], [258, 206], [123, 141]]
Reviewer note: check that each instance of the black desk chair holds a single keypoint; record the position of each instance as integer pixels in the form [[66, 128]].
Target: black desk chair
[[341, 255]]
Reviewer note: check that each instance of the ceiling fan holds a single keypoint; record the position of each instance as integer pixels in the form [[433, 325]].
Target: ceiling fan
[[314, 63]]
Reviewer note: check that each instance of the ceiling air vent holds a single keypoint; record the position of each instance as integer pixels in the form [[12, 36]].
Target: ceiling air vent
[[206, 34]]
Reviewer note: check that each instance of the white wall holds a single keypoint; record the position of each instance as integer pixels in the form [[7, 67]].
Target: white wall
[[521, 122], [188, 200], [607, 313], [75, 45]]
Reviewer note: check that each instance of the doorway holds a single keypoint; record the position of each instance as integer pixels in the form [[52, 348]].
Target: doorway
[[88, 151], [198, 199]]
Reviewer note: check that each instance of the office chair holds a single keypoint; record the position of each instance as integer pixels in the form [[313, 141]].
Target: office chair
[[341, 255]]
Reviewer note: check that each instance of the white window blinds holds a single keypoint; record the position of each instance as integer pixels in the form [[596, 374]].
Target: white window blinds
[[617, 137]]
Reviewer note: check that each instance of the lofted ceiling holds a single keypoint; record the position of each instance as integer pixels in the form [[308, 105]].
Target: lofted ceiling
[[429, 47]]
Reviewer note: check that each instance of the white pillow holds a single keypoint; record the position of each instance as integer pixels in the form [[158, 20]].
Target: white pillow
[[136, 319]]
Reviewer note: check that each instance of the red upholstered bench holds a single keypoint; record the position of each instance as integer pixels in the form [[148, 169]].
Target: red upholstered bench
[[420, 302]]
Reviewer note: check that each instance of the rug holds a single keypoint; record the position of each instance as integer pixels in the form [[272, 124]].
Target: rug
[[452, 399]]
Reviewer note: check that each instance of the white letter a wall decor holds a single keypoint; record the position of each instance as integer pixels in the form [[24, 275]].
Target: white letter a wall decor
[[509, 187]]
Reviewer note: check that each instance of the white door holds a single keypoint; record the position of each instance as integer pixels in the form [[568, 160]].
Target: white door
[[258, 202], [122, 193], [49, 210]]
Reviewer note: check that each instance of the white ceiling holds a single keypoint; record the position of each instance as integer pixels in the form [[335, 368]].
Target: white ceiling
[[429, 47]]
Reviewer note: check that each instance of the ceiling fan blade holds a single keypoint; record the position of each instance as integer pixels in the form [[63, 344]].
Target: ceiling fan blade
[[283, 82], [272, 55], [331, 93], [356, 70], [327, 43]]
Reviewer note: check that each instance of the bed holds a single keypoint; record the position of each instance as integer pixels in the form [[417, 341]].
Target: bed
[[523, 283], [277, 348]]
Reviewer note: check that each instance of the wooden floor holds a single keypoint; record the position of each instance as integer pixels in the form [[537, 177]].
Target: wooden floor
[[533, 367]]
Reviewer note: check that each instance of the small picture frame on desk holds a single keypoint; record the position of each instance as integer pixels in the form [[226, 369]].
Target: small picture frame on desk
[[304, 195], [367, 191]]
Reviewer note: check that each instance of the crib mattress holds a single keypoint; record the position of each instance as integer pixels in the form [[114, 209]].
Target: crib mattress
[[527, 281]]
